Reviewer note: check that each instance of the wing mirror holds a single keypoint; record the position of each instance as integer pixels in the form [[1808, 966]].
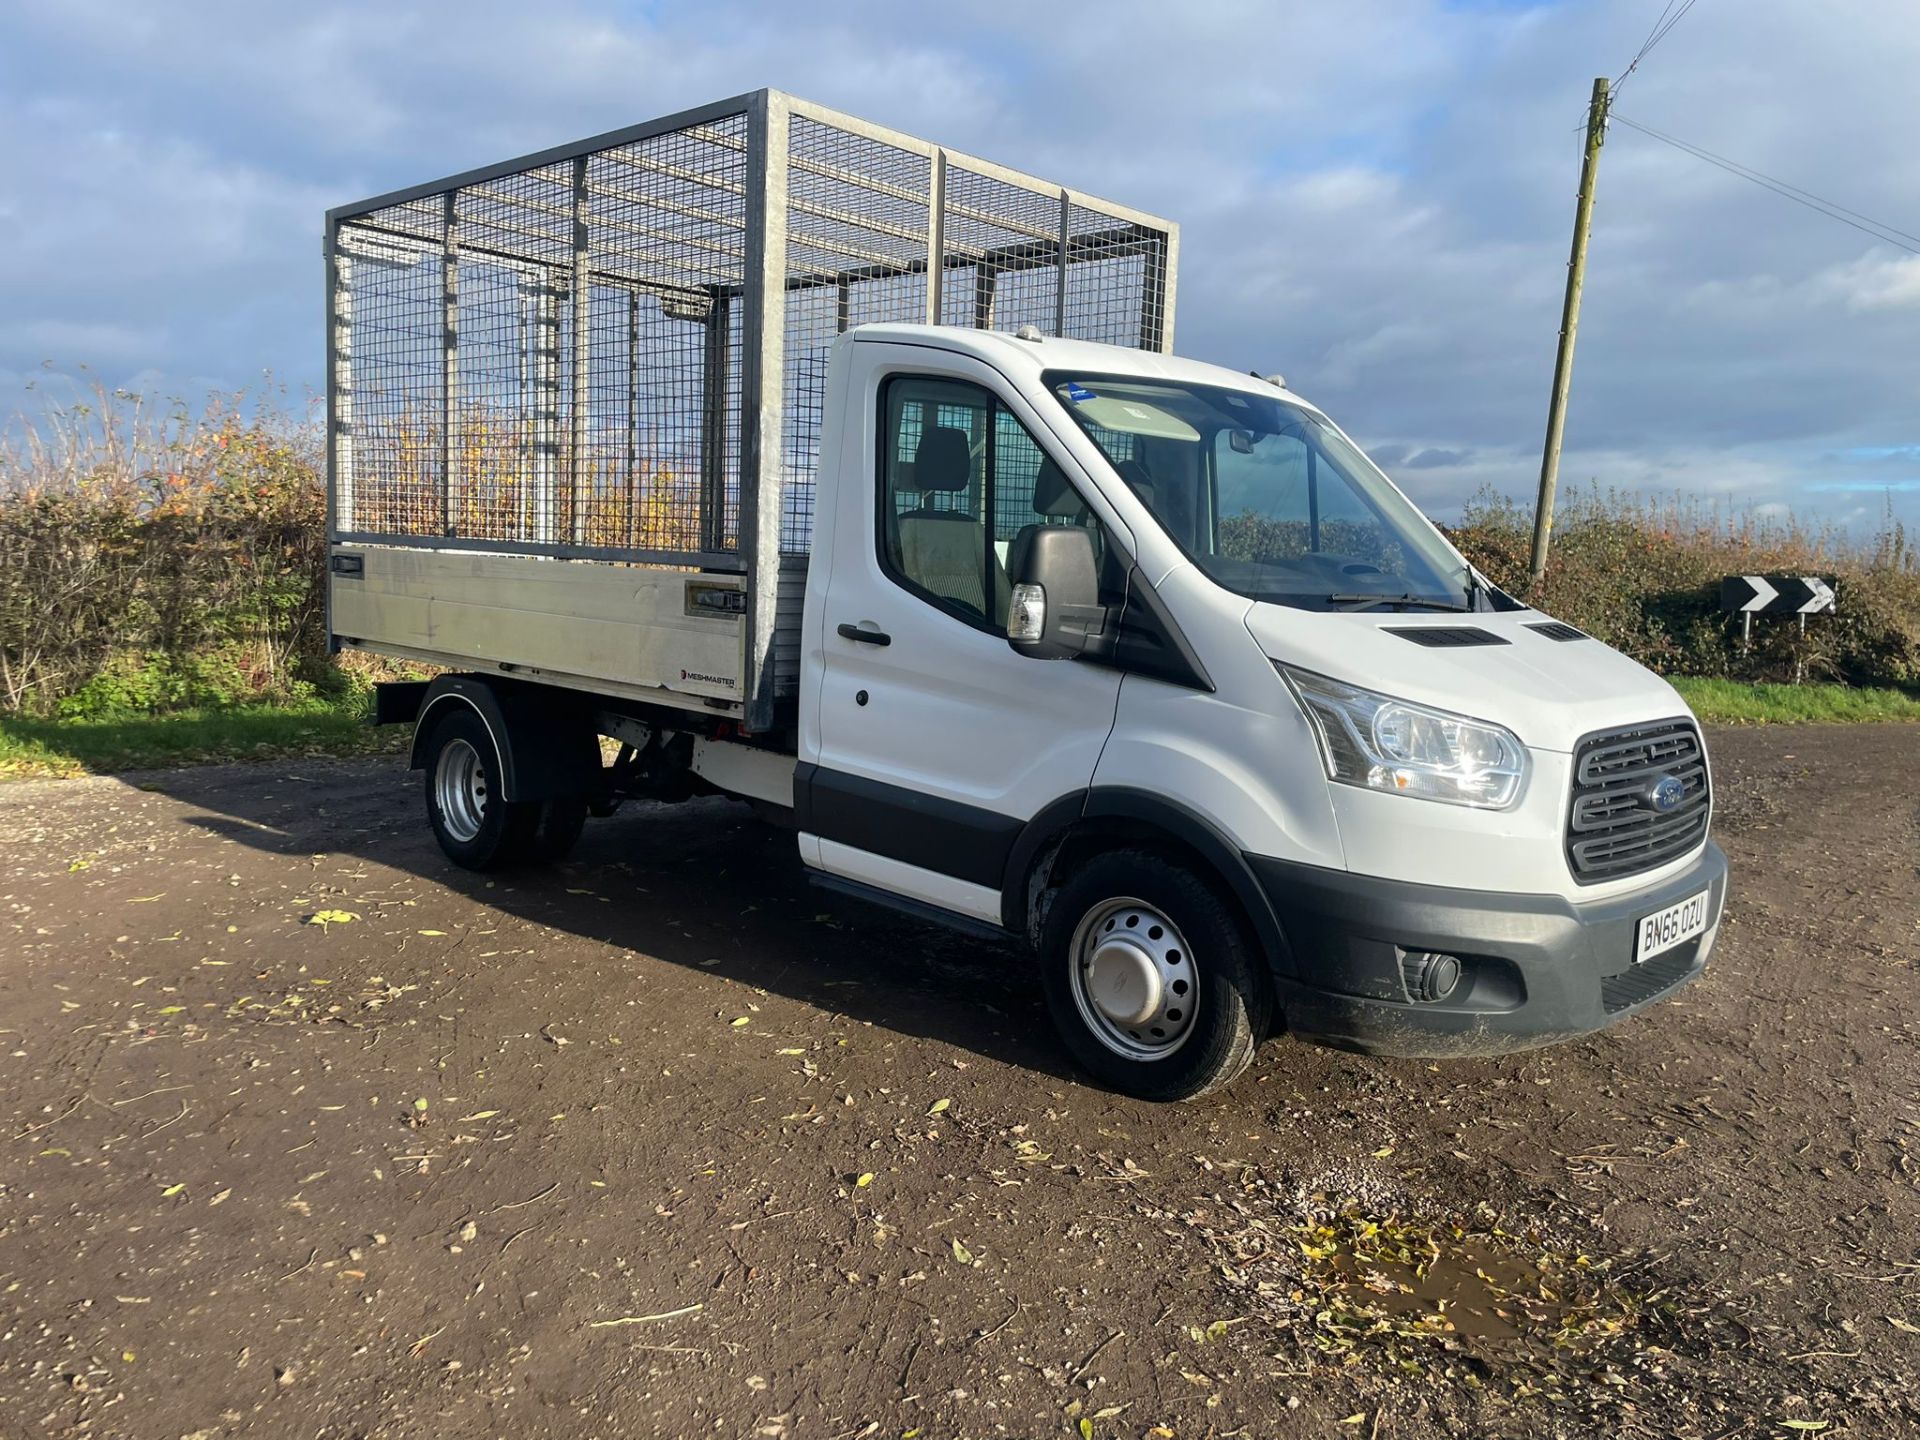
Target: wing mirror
[[1055, 611]]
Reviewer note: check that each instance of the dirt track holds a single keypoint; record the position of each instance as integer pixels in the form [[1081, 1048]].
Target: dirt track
[[582, 1153]]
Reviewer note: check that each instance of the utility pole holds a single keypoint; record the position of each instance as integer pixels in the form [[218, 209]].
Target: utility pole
[[1569, 324]]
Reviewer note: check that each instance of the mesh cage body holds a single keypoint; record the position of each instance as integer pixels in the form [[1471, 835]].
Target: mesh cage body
[[617, 350]]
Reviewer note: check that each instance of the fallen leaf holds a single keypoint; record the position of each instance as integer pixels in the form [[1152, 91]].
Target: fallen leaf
[[864, 1181], [324, 918], [480, 1115], [220, 1198], [962, 1254], [429, 932], [939, 1106], [1381, 1154], [172, 1190], [791, 1050], [742, 1020]]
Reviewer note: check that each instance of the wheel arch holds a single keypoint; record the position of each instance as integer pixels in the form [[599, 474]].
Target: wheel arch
[[544, 739], [1076, 827]]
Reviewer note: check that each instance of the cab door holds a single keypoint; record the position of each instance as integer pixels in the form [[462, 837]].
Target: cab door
[[932, 742]]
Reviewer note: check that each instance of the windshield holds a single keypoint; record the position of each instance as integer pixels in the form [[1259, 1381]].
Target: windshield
[[1267, 499]]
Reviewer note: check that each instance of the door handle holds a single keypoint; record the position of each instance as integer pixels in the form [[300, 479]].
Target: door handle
[[865, 637]]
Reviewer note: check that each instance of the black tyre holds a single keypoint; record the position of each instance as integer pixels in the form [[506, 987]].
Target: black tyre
[[475, 827], [1152, 978], [559, 827]]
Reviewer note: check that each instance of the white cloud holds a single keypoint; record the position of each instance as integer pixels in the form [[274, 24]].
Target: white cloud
[[1876, 282]]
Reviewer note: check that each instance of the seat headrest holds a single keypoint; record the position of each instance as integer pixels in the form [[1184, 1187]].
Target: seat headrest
[[941, 462], [1053, 497]]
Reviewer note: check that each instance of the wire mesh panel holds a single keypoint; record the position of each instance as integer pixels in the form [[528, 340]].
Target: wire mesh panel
[[396, 381], [857, 237], [1009, 237], [663, 443], [1116, 280], [549, 358]]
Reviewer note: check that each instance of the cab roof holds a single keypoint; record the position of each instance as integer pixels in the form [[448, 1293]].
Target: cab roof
[[1031, 358]]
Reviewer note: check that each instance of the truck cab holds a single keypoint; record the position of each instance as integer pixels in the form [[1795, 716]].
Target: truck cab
[[1296, 762]]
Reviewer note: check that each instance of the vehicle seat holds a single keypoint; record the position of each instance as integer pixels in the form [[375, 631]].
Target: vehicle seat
[[1053, 497], [1056, 502], [942, 549]]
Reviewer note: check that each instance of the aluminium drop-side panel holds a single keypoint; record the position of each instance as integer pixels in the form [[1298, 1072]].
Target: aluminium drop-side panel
[[621, 629]]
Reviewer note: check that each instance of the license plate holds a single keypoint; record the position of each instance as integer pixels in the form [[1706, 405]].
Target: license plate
[[1672, 926]]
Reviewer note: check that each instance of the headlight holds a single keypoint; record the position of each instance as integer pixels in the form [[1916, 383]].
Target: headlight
[[1380, 743]]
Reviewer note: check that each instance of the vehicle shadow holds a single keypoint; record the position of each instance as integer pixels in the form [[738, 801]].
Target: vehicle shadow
[[704, 884]]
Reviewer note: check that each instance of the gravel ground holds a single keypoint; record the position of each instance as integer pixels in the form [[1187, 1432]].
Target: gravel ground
[[305, 1132]]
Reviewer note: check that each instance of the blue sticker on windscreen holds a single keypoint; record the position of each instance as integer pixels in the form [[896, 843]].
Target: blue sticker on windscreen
[[1079, 394]]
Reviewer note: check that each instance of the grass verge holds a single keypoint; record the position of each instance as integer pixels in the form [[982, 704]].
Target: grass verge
[[1734, 702], [30, 748]]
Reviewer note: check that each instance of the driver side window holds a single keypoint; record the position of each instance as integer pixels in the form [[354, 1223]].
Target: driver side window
[[961, 481]]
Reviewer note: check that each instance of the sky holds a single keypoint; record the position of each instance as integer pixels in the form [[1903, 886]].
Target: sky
[[1375, 196]]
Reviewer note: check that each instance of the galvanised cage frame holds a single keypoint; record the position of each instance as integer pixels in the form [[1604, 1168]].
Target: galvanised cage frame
[[573, 355]]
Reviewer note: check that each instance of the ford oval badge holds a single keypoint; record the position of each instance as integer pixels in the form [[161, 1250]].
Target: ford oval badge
[[1668, 793]]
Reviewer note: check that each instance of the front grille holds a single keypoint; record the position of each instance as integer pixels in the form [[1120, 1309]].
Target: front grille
[[1647, 979], [1613, 829]]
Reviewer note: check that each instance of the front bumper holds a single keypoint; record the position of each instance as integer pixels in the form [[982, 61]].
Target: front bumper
[[1536, 968]]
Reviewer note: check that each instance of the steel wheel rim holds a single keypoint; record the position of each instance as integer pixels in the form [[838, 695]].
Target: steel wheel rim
[[1133, 979], [460, 790]]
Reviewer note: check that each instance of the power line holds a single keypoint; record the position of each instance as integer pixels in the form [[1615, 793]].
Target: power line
[[1866, 224], [1662, 27]]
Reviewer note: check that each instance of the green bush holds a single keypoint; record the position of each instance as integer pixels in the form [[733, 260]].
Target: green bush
[[153, 565], [1645, 577]]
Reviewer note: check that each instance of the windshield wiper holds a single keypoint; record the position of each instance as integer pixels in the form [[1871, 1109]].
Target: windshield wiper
[[1475, 588], [1368, 602]]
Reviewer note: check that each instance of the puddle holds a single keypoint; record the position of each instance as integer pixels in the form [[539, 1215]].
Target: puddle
[[1472, 1291], [1462, 1284]]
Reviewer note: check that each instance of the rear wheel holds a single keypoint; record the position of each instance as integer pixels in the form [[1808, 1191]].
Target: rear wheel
[[476, 827], [1151, 977], [561, 821]]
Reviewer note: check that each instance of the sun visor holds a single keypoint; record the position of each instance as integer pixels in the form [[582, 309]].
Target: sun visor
[[1128, 416]]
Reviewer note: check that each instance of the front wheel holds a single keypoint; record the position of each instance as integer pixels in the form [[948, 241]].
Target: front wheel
[[1151, 977]]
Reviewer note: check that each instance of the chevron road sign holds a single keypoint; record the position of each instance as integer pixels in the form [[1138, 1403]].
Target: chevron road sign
[[1776, 594]]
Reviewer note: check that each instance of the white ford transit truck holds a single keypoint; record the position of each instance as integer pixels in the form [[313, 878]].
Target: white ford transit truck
[[762, 452]]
